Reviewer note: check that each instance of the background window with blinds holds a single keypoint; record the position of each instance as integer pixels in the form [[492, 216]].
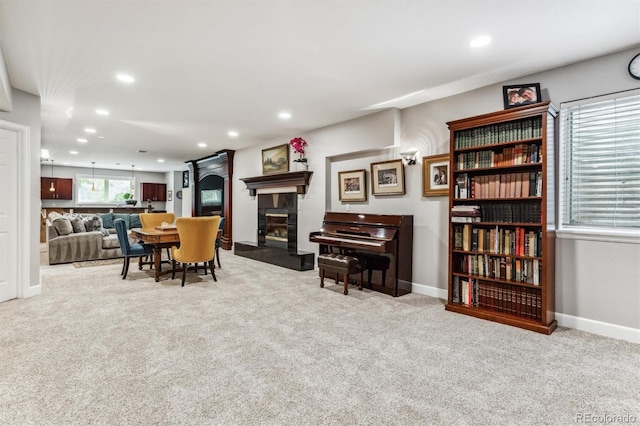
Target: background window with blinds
[[600, 162]]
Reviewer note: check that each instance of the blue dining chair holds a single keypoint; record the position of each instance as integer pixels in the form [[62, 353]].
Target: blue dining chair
[[129, 250]]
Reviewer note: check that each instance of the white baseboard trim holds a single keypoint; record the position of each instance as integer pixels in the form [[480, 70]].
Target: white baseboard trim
[[440, 293], [31, 291], [583, 324], [598, 327]]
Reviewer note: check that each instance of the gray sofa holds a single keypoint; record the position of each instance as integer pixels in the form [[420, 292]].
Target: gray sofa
[[78, 237]]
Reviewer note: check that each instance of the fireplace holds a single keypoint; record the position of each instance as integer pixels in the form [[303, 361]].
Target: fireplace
[[276, 228], [278, 220]]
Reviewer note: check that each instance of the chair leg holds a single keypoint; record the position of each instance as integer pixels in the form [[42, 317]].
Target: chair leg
[[124, 262], [184, 272], [168, 254], [360, 283], [213, 270], [173, 268], [346, 283], [205, 267], [218, 256], [321, 278], [126, 267]]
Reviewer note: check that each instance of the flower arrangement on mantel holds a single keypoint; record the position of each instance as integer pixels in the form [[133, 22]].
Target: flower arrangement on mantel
[[298, 145]]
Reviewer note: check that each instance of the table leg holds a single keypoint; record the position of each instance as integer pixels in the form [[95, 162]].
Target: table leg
[[157, 252]]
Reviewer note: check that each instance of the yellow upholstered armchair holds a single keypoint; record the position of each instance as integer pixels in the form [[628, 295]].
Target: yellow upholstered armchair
[[151, 220], [197, 243]]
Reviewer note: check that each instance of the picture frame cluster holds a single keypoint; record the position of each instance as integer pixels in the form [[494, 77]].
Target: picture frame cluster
[[388, 179]]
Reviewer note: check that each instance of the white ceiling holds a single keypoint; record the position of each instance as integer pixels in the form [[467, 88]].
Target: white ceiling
[[203, 68]]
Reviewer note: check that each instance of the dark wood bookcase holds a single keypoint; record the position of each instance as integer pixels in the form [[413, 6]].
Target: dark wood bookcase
[[502, 217]]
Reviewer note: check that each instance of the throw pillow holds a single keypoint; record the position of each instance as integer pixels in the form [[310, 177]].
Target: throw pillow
[[123, 216], [92, 223], [77, 224], [63, 225], [107, 220], [135, 221]]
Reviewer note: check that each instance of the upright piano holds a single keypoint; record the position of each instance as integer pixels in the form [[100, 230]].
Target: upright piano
[[384, 242]]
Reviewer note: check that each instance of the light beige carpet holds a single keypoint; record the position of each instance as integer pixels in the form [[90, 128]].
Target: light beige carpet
[[266, 345]]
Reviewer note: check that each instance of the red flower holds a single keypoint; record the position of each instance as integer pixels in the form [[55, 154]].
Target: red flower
[[298, 145]]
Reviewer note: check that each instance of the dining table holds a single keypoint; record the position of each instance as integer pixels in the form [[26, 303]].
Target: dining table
[[160, 237]]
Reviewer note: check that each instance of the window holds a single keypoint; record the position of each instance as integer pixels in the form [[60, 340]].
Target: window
[[108, 189], [600, 162]]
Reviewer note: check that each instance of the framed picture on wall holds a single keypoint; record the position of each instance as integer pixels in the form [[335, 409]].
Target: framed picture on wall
[[353, 185], [521, 94], [435, 175], [387, 178], [275, 160], [185, 179]]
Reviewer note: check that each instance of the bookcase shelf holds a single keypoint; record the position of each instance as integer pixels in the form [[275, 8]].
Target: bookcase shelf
[[502, 212]]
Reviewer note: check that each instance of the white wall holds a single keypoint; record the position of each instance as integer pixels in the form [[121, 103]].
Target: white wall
[[595, 292]]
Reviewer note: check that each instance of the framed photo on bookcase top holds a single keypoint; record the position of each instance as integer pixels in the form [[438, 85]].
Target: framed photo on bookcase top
[[435, 175], [387, 178], [521, 94]]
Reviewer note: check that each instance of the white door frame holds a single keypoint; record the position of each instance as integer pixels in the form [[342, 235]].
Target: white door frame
[[23, 272]]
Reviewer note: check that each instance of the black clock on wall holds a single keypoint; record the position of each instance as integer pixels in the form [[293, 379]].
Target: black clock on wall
[[634, 67], [185, 179]]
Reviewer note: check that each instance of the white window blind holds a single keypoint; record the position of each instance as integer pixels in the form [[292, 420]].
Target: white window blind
[[600, 161]]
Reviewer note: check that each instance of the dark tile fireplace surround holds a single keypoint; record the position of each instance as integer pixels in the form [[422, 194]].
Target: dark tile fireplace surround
[[278, 227]]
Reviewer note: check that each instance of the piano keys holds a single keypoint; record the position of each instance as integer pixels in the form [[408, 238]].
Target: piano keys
[[385, 242]]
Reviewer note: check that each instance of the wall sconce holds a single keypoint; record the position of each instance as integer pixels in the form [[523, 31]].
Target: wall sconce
[[409, 157]]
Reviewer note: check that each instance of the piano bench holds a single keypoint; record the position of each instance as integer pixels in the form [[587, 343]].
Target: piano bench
[[341, 265]]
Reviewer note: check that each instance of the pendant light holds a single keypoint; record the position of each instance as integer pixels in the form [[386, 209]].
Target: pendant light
[[52, 188], [132, 180], [93, 175]]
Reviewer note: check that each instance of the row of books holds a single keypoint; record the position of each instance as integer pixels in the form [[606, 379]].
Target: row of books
[[525, 212], [527, 128], [508, 156], [502, 268], [505, 185], [517, 241], [520, 301]]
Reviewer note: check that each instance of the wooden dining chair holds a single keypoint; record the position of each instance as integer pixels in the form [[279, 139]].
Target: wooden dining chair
[[197, 243]]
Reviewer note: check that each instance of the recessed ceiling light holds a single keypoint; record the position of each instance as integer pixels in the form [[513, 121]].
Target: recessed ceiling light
[[125, 78], [102, 112], [284, 115], [73, 152], [233, 134], [90, 130], [101, 137], [160, 160], [202, 145], [66, 164], [480, 41], [82, 140]]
